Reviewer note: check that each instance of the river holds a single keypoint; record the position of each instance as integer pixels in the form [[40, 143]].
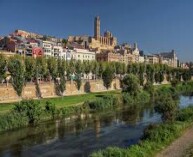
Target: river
[[79, 136]]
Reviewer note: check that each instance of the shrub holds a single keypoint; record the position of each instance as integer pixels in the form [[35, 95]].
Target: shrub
[[131, 84], [174, 82], [167, 107], [108, 101], [51, 109], [149, 87], [30, 108], [185, 114], [141, 98], [12, 120]]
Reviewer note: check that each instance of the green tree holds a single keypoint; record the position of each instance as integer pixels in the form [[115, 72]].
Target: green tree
[[17, 70], [95, 68], [107, 77], [79, 68], [131, 84], [87, 67], [150, 73], [2, 67], [141, 73], [186, 75], [30, 67], [102, 67], [41, 70], [52, 67], [70, 69], [61, 73], [78, 81]]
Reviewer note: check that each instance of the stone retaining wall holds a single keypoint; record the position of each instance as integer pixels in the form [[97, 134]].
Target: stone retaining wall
[[8, 94]]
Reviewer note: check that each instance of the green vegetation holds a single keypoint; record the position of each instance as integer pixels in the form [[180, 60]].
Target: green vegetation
[[29, 69], [30, 112], [167, 107], [132, 94], [105, 102], [155, 138], [16, 69], [2, 67], [107, 77], [60, 102], [142, 97]]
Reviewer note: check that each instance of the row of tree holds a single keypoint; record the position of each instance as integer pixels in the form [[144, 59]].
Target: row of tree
[[28, 69]]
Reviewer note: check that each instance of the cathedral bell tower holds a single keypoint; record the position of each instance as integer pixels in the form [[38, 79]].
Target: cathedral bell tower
[[97, 28]]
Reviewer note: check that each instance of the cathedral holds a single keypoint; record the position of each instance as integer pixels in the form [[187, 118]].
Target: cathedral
[[97, 42]]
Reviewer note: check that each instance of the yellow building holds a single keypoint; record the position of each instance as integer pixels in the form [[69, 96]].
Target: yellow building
[[98, 42]]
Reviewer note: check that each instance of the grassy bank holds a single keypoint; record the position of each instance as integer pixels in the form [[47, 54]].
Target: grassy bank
[[156, 138], [63, 101], [32, 112]]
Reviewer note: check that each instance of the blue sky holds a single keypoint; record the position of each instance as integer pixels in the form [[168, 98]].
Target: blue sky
[[156, 25]]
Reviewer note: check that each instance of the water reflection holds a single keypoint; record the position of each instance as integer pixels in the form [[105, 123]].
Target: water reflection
[[81, 134]]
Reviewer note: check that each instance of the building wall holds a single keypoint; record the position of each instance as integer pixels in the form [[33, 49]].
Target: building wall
[[84, 55], [8, 94]]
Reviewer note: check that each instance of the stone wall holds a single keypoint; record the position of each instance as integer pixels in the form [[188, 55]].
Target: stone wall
[[8, 94]]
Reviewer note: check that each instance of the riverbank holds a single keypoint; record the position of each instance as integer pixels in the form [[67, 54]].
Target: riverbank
[[156, 138], [32, 112], [179, 147], [62, 101]]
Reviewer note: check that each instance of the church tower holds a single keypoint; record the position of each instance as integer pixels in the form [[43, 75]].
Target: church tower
[[97, 28]]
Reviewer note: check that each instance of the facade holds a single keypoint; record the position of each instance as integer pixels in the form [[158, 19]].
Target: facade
[[58, 51], [152, 59], [81, 41], [124, 54], [47, 48], [106, 42], [84, 55], [98, 42], [108, 56], [34, 52], [169, 58]]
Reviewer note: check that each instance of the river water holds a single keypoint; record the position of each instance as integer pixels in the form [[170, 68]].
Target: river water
[[79, 136]]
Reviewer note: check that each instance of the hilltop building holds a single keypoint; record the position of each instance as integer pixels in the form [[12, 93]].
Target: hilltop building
[[97, 42]]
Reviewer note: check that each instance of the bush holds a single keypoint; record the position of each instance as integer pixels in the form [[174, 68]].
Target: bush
[[174, 82], [29, 108], [131, 84], [51, 109], [141, 98], [107, 101], [12, 120], [149, 88], [185, 114], [167, 107]]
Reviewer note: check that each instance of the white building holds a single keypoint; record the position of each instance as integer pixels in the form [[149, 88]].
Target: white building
[[48, 48], [58, 52], [84, 55]]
